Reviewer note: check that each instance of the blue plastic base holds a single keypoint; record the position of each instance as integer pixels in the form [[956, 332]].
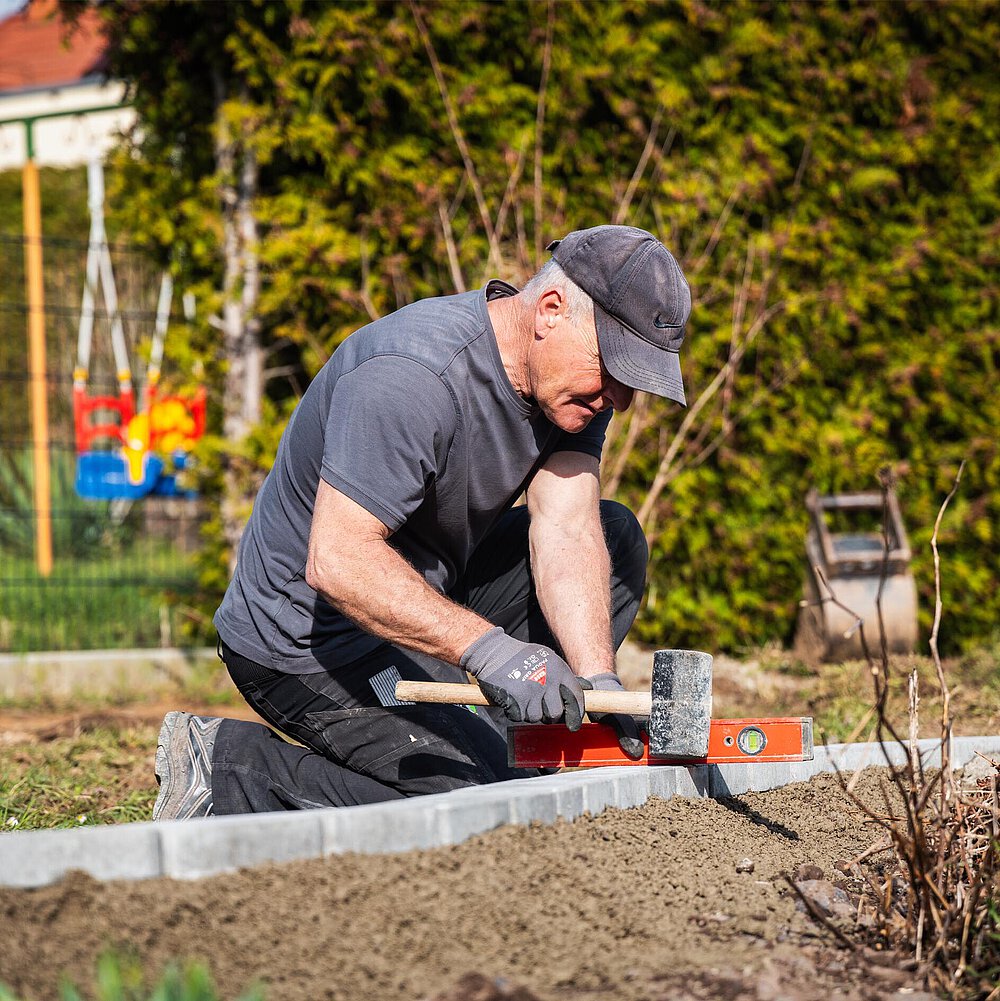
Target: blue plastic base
[[104, 476]]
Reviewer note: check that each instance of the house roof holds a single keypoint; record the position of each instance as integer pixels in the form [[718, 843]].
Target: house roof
[[36, 51]]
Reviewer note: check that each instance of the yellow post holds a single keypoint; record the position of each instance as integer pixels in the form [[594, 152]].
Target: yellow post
[[37, 365]]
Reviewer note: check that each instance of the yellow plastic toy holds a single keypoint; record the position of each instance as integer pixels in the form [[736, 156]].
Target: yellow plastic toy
[[167, 427]]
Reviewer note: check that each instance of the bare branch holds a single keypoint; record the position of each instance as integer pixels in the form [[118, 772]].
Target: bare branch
[[716, 235], [493, 259], [456, 130], [621, 213], [659, 480], [366, 298], [449, 243], [947, 788], [859, 622], [660, 159], [543, 85]]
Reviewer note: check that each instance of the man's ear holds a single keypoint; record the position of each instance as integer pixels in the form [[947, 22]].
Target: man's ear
[[549, 310]]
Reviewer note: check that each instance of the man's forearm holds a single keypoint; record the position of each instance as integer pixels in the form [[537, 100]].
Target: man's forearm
[[572, 573], [376, 588]]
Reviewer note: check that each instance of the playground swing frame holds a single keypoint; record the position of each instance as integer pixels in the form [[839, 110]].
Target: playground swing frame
[[131, 468]]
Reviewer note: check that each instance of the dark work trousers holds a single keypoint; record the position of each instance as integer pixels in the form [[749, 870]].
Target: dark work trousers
[[359, 745]]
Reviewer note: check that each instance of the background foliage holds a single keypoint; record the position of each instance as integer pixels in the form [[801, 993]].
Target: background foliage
[[827, 174]]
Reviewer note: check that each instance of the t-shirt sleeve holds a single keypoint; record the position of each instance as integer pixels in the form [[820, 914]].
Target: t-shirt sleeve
[[390, 425], [590, 439]]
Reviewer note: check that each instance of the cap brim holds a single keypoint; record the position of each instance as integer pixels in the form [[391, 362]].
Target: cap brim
[[635, 362]]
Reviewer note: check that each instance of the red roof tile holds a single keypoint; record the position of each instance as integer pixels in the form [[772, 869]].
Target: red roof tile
[[36, 52]]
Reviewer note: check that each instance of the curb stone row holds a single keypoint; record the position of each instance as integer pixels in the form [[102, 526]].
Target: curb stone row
[[192, 849]]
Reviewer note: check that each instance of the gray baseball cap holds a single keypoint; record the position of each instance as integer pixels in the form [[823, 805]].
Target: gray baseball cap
[[641, 303]]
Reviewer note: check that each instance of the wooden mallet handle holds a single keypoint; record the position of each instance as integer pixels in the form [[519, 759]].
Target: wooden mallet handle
[[631, 703]]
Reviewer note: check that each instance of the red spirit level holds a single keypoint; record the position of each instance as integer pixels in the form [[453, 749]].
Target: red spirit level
[[730, 741]]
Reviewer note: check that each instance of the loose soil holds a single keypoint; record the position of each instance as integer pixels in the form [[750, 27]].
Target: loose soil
[[631, 904]]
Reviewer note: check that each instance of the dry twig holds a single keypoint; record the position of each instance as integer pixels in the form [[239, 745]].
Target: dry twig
[[540, 127], [456, 129]]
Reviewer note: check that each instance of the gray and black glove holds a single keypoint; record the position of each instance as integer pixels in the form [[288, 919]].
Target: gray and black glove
[[625, 726], [529, 681]]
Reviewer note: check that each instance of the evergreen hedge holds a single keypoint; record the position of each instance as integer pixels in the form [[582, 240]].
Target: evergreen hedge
[[826, 172]]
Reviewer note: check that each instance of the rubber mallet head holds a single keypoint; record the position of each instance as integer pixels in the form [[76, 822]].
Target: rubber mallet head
[[681, 704]]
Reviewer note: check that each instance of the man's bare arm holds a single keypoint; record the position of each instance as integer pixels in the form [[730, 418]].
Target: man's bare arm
[[351, 564], [570, 561]]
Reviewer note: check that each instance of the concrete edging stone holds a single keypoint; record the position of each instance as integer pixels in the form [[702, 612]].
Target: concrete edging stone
[[193, 849], [71, 674]]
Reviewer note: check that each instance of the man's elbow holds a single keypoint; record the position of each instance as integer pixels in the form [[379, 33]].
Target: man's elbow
[[324, 572]]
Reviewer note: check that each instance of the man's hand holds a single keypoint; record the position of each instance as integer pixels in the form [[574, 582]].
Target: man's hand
[[624, 725], [529, 681]]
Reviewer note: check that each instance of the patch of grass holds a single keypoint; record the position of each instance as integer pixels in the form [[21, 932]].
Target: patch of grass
[[104, 776], [99, 602], [118, 577], [839, 695], [209, 684], [120, 978]]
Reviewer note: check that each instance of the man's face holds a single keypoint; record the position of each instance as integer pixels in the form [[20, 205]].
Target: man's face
[[568, 380]]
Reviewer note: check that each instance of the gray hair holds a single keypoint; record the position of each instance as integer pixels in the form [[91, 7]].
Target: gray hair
[[579, 305]]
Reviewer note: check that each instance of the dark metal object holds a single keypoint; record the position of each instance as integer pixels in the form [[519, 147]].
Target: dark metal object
[[681, 712]]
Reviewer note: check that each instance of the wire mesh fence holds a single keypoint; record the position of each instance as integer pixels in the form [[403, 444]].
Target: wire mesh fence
[[122, 568]]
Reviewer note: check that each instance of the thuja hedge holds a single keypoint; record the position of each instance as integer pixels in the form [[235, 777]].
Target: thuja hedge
[[827, 173]]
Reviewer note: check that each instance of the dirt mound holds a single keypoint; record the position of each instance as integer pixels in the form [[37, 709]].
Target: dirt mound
[[657, 902]]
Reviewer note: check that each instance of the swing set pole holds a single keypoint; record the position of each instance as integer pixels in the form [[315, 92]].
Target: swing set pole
[[37, 366]]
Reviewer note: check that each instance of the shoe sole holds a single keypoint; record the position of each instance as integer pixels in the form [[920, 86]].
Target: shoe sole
[[162, 762], [176, 759]]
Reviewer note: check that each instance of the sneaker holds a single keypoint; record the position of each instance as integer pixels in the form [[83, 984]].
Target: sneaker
[[184, 766]]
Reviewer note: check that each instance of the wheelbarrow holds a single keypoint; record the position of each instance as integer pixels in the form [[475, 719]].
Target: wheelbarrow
[[856, 565]]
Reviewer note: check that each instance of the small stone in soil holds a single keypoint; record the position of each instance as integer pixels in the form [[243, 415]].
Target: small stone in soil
[[828, 899], [745, 865], [808, 870]]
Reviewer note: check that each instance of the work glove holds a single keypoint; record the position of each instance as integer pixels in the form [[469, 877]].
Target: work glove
[[624, 725], [529, 681]]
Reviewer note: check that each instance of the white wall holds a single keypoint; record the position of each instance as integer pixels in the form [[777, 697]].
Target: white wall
[[62, 142]]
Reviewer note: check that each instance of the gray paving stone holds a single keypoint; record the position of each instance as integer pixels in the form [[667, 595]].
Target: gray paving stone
[[822, 759], [963, 749], [734, 780], [195, 848], [664, 779], [472, 812], [600, 792], [381, 827], [530, 802], [541, 799], [803, 771], [191, 849], [37, 858], [693, 781], [633, 786], [569, 792], [851, 757]]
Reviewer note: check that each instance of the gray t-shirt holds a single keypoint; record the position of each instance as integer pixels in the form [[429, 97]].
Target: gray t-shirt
[[413, 418]]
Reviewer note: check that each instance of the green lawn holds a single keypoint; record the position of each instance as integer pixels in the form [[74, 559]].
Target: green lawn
[[101, 777], [119, 576], [128, 597]]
